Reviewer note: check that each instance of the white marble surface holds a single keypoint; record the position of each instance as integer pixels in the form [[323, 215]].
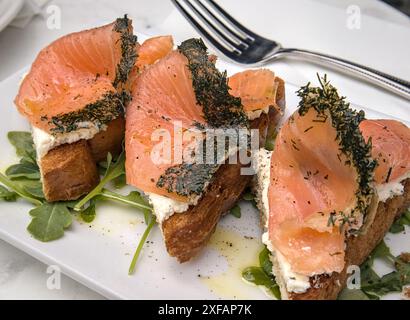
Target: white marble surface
[[23, 277]]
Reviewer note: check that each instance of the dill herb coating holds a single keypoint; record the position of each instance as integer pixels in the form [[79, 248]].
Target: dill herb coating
[[187, 179], [111, 105], [221, 110], [101, 112], [190, 179], [346, 122], [128, 50], [211, 88]]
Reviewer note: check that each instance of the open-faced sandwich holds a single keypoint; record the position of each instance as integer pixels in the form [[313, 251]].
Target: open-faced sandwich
[[329, 192], [85, 88], [74, 97], [180, 94]]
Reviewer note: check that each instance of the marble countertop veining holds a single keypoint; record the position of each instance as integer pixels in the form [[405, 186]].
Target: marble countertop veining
[[22, 276]]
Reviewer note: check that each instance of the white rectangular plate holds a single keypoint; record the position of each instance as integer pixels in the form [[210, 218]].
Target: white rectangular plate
[[98, 255]]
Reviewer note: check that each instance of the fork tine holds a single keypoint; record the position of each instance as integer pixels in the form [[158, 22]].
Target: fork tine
[[212, 27], [251, 35], [225, 48], [239, 37]]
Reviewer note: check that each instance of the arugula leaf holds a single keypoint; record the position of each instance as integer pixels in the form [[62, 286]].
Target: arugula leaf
[[397, 228], [24, 169], [114, 170], [262, 275], [257, 276], [23, 142], [398, 225], [134, 199], [368, 276], [143, 239], [374, 286], [13, 185], [388, 283], [248, 196], [49, 221], [402, 265], [34, 188], [120, 182], [7, 195], [88, 215], [270, 140], [236, 212], [353, 294], [265, 262], [382, 251]]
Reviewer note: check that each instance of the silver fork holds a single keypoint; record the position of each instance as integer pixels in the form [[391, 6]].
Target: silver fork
[[241, 45]]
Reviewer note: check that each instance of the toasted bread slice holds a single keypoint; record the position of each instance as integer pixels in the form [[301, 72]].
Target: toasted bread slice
[[186, 233], [70, 170], [108, 141], [357, 249]]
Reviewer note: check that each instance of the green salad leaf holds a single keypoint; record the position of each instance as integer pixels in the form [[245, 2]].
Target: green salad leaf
[[88, 215], [248, 196], [24, 169], [257, 276], [271, 140], [49, 221], [399, 225], [113, 170], [23, 142], [18, 189], [353, 294], [134, 199], [373, 285], [33, 187], [142, 241], [262, 275], [236, 212], [265, 261], [382, 251], [120, 182], [7, 195]]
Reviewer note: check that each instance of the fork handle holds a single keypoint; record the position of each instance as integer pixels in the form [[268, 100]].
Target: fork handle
[[381, 79]]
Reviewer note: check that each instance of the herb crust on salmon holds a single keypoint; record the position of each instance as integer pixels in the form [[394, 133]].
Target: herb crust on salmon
[[346, 122]]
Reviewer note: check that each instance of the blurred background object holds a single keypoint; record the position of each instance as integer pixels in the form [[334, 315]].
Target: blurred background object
[[402, 5], [30, 9]]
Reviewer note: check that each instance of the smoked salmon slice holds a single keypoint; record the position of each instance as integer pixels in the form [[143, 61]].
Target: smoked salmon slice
[[391, 148], [256, 88], [163, 92], [78, 80], [186, 89], [320, 182], [153, 50]]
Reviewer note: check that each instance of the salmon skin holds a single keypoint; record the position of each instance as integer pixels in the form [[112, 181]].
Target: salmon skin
[[186, 88], [79, 79], [321, 182]]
